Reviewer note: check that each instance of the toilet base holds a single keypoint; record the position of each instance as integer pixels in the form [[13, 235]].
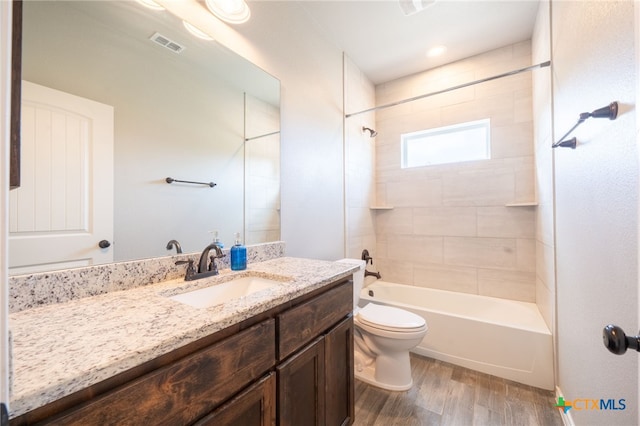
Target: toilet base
[[367, 375]]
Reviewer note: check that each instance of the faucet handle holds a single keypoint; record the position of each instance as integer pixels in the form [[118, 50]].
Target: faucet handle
[[191, 270]]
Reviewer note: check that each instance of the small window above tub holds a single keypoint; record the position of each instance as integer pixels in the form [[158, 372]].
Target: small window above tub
[[451, 144]]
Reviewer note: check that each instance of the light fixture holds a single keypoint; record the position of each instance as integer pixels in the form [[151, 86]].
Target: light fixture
[[196, 31], [436, 51], [150, 4], [231, 11], [410, 7]]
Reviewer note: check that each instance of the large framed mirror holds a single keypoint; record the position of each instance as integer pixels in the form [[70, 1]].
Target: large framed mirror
[[204, 114]]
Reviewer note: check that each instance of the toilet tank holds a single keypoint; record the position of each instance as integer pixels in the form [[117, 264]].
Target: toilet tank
[[358, 278]]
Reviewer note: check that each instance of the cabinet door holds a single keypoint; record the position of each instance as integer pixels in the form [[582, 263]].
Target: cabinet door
[[256, 406], [301, 388], [339, 385]]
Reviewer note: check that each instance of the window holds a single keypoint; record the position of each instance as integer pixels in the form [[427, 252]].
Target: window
[[450, 144]]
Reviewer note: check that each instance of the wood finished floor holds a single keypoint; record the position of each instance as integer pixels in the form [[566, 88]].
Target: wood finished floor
[[445, 394]]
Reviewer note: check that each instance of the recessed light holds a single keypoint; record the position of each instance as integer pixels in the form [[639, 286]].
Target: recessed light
[[231, 11], [150, 4], [436, 51], [196, 31]]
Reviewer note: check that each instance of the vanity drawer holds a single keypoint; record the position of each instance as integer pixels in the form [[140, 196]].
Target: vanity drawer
[[303, 323], [187, 389]]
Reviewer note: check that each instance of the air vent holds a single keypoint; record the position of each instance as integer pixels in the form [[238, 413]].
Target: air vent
[[167, 43]]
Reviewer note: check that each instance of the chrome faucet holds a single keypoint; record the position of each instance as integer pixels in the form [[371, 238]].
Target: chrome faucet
[[206, 265]]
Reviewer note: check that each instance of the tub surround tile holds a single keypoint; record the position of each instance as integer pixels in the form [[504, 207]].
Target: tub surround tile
[[452, 278], [506, 222], [61, 348], [499, 253], [445, 221], [33, 290], [513, 285], [462, 203]]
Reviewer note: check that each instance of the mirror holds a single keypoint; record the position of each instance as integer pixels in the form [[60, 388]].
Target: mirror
[[204, 114]]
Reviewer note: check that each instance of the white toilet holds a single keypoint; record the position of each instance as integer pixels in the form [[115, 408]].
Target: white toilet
[[383, 337]]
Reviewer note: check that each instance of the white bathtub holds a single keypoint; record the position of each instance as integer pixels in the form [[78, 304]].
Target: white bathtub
[[501, 337]]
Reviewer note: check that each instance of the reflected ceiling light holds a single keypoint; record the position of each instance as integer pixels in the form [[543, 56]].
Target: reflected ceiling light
[[436, 51], [231, 11], [196, 31], [409, 7], [150, 4]]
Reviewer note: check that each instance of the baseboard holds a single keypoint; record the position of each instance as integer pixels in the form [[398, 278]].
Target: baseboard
[[567, 420]]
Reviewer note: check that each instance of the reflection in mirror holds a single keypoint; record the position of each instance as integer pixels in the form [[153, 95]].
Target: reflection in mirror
[[262, 171], [179, 115]]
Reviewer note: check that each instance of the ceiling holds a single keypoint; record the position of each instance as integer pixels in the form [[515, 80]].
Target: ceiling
[[385, 44]]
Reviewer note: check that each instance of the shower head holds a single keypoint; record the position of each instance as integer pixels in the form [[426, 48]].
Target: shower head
[[372, 133]]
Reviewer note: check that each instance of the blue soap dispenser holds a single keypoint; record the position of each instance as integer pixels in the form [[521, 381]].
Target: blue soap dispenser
[[238, 255]]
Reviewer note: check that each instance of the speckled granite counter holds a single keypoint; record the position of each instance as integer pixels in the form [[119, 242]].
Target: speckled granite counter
[[61, 348]]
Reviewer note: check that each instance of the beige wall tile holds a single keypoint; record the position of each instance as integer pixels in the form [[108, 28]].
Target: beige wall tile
[[394, 222], [546, 301], [498, 253], [512, 285], [506, 222], [526, 254], [394, 271], [450, 219], [478, 188], [415, 249], [515, 140], [415, 193], [445, 221], [450, 278]]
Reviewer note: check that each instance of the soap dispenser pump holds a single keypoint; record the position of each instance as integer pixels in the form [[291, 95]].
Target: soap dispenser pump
[[238, 255], [216, 239]]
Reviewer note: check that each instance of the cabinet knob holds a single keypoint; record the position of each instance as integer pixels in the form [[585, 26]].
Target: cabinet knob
[[104, 244]]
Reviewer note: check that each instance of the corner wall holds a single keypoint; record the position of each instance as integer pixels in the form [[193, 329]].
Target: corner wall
[[450, 227], [359, 94], [543, 139], [596, 199]]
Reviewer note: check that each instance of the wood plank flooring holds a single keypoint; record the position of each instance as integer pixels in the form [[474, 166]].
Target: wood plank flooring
[[445, 394]]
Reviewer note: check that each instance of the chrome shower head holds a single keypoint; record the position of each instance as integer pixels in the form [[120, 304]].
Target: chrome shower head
[[372, 133]]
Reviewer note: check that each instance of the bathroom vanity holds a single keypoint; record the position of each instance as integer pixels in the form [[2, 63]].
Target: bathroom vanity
[[279, 356]]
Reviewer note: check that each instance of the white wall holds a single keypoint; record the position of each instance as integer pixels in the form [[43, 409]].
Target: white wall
[[360, 191], [310, 71], [450, 227], [596, 188]]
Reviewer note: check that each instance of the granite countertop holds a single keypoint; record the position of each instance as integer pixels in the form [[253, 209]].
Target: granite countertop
[[62, 348]]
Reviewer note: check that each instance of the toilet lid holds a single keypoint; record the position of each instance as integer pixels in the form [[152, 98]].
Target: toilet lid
[[390, 318]]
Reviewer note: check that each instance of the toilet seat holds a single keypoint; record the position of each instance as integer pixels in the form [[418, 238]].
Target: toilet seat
[[392, 319]]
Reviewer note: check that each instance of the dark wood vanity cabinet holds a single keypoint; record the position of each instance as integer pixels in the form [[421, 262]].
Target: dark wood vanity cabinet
[[316, 384], [292, 365]]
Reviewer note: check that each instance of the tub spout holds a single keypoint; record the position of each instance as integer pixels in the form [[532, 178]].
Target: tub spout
[[373, 274]]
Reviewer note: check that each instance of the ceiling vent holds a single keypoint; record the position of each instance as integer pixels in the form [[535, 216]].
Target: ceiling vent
[[167, 43]]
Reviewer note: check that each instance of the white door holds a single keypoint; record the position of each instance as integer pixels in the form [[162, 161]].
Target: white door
[[64, 206]]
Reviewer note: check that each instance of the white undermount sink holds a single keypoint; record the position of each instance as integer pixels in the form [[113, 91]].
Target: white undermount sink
[[220, 293]]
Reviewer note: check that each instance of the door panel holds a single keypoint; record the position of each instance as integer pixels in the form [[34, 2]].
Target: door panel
[[64, 206]]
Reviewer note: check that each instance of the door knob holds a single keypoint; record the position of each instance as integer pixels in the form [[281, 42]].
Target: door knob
[[104, 244], [617, 342]]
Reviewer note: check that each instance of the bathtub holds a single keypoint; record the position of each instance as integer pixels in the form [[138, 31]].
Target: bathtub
[[504, 338]]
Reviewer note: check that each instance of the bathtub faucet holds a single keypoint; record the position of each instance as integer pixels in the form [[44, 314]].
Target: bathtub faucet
[[366, 257], [373, 274]]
